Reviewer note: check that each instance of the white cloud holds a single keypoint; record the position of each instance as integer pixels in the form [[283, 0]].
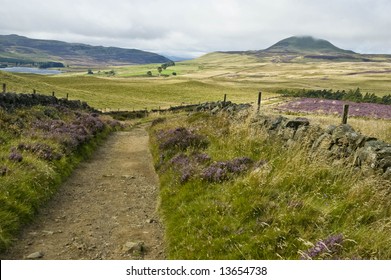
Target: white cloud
[[192, 27]]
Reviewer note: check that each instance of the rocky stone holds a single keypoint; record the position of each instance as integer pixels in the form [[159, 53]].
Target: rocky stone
[[323, 143], [296, 123], [133, 247], [215, 110], [387, 174], [330, 129], [34, 256], [128, 177], [277, 122], [340, 142]]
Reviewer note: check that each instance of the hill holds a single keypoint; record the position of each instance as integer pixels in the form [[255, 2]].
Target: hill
[[307, 48], [305, 45], [16, 49]]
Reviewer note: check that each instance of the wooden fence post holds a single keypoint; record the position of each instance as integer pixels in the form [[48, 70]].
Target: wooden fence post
[[67, 96], [225, 99], [4, 88], [259, 100], [53, 94], [345, 113], [34, 91]]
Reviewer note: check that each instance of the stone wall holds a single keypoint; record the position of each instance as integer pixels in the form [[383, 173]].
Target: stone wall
[[336, 142], [14, 100]]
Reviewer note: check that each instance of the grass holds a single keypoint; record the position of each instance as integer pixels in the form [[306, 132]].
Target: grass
[[39, 148], [206, 78], [281, 210]]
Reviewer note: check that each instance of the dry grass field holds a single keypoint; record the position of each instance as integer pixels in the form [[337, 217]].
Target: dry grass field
[[206, 78]]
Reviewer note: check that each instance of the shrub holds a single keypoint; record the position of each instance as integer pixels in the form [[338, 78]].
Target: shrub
[[14, 156], [329, 246], [223, 170], [179, 139]]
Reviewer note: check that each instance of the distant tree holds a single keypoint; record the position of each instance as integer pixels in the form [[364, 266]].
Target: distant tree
[[167, 64], [89, 72], [149, 73], [174, 73], [160, 69], [49, 64], [110, 73]]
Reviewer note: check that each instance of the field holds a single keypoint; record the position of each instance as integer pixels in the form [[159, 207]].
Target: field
[[206, 78], [256, 199]]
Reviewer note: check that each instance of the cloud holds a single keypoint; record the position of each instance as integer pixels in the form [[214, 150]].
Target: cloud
[[193, 27]]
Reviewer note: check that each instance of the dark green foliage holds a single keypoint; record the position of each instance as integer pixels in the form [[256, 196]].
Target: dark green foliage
[[50, 64]]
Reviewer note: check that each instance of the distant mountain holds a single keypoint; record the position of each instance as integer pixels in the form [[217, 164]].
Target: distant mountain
[[23, 50], [306, 45], [177, 58], [307, 48]]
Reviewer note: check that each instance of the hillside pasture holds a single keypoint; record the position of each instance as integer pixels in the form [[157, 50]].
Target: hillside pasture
[[207, 78]]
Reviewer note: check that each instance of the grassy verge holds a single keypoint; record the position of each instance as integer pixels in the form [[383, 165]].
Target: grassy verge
[[230, 192], [39, 147]]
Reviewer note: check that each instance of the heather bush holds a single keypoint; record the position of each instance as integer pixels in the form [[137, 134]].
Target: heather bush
[[325, 249], [42, 150], [179, 139], [188, 166], [223, 170], [15, 156], [284, 204], [39, 147], [3, 170]]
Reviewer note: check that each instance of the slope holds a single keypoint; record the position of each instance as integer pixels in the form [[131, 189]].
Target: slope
[[14, 48]]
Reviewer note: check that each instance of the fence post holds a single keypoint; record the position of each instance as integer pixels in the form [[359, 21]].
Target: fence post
[[4, 88], [53, 94], [345, 113], [34, 91], [225, 99], [67, 96], [259, 100]]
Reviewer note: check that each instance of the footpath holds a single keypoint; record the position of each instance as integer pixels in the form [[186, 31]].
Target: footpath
[[106, 210]]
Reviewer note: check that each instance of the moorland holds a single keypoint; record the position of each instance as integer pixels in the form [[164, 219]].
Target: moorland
[[288, 207]]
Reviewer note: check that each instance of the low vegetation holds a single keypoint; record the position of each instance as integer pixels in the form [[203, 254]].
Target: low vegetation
[[39, 147], [228, 191], [350, 95], [321, 106]]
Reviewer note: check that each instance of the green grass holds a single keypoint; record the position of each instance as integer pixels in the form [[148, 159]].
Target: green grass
[[277, 211], [26, 184]]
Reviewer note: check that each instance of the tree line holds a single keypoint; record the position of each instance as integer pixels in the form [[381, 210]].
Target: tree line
[[7, 62], [350, 95], [162, 67]]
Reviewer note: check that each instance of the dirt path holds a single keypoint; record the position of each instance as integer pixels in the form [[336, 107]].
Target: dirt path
[[105, 210]]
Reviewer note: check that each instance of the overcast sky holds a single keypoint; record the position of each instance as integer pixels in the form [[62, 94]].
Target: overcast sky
[[193, 27]]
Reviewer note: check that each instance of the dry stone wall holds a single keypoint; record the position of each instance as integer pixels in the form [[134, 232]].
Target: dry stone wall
[[337, 142], [14, 100]]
